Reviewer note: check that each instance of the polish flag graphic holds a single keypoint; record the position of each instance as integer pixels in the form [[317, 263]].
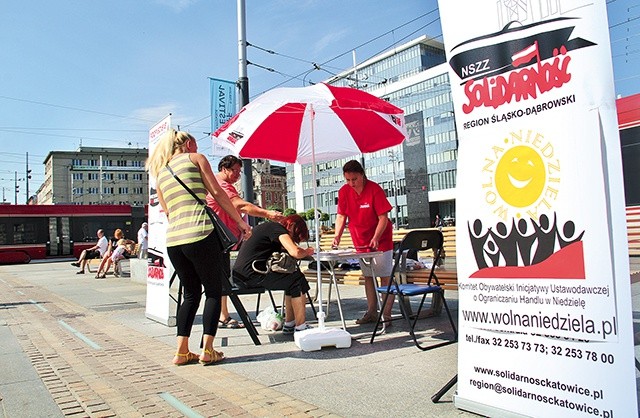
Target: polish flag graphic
[[526, 55]]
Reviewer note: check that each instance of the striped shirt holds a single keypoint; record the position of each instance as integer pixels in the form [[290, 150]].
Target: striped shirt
[[188, 221]]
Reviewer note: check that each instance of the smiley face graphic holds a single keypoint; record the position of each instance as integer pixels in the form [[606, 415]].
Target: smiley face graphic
[[520, 176]]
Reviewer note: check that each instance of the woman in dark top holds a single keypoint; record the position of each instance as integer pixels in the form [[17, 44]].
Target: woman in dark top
[[267, 238]]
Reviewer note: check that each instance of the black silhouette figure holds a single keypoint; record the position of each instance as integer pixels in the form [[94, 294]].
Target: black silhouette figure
[[568, 230], [477, 242], [546, 235], [493, 252], [523, 240], [506, 243]]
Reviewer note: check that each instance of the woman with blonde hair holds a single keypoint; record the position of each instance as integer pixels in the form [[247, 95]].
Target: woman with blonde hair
[[192, 247]]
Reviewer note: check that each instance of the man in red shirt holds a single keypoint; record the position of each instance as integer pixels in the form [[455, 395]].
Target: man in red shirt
[[365, 205], [229, 169]]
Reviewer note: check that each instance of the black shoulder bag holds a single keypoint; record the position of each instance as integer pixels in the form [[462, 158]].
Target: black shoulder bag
[[224, 234]]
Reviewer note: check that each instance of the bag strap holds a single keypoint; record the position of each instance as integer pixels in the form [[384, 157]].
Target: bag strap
[[253, 266], [195, 196]]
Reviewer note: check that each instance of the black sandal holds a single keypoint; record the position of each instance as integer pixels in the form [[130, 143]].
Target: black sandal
[[230, 323]]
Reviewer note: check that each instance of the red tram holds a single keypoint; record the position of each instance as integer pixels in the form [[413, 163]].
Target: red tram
[[31, 232]]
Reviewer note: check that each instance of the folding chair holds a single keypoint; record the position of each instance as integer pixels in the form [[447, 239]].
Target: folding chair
[[276, 306], [418, 240], [233, 292]]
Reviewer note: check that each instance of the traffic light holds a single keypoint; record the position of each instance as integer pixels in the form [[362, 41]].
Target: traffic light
[[28, 174]]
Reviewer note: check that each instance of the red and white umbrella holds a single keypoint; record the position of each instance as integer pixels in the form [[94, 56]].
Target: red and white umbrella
[[306, 124]]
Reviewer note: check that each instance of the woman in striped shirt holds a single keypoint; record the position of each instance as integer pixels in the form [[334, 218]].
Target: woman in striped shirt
[[193, 249]]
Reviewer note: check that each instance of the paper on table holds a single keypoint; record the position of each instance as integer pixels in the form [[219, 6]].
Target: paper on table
[[340, 251]]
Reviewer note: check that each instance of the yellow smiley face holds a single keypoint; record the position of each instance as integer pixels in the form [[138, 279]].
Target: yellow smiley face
[[520, 176]]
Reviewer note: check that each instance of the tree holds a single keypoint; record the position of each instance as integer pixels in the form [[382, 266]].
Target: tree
[[289, 211], [311, 214]]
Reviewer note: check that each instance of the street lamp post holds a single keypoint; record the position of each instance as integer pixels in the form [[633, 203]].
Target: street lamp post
[[392, 157]]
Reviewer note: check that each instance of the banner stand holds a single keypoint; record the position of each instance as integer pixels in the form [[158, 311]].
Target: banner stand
[[484, 410], [160, 304], [545, 318]]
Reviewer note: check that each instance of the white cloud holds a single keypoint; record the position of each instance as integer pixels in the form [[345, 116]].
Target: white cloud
[[154, 112], [177, 5], [329, 40]]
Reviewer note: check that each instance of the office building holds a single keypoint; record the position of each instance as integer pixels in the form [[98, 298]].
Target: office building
[[95, 175]]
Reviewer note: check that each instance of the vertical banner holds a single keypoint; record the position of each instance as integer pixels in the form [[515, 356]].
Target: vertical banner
[[415, 172], [159, 270], [223, 107], [544, 292]]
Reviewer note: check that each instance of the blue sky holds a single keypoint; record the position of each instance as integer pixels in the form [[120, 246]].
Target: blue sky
[[101, 73]]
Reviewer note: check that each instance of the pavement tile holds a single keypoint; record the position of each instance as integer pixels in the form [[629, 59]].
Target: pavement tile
[[124, 377]]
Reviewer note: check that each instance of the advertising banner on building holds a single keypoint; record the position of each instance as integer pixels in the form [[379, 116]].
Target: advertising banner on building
[[415, 172], [223, 107], [159, 270], [543, 269]]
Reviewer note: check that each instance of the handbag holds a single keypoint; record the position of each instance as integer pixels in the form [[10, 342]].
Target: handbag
[[227, 239], [279, 262]]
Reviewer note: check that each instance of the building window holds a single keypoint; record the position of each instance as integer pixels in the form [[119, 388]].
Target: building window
[[137, 176], [137, 190], [76, 161], [136, 163], [107, 163], [108, 190], [76, 176], [123, 190], [92, 163], [107, 176], [122, 163], [93, 176], [123, 176], [92, 190]]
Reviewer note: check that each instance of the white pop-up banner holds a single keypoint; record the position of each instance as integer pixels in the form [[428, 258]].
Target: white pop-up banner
[[544, 291], [159, 270]]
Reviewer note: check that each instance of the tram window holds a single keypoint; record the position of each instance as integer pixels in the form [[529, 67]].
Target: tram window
[[24, 233], [3, 234]]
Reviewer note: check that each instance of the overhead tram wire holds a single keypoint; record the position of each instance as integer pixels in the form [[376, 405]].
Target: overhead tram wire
[[64, 136], [333, 74], [351, 49], [73, 108], [71, 129]]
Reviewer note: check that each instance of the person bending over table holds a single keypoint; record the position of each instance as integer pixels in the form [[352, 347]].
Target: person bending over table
[[267, 238], [363, 203]]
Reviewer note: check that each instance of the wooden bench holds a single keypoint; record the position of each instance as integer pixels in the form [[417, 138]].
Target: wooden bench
[[633, 230], [448, 277]]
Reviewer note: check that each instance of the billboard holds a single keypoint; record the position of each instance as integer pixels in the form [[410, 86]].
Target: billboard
[[544, 292]]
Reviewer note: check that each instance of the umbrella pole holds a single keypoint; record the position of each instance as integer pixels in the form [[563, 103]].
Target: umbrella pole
[[321, 313]]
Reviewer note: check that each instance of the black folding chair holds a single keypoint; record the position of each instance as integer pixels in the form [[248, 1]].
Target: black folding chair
[[418, 240], [233, 291]]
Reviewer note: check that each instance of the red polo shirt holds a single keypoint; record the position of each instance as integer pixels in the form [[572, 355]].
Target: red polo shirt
[[363, 211]]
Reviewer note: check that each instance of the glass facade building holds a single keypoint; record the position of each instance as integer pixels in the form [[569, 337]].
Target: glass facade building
[[418, 176]]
